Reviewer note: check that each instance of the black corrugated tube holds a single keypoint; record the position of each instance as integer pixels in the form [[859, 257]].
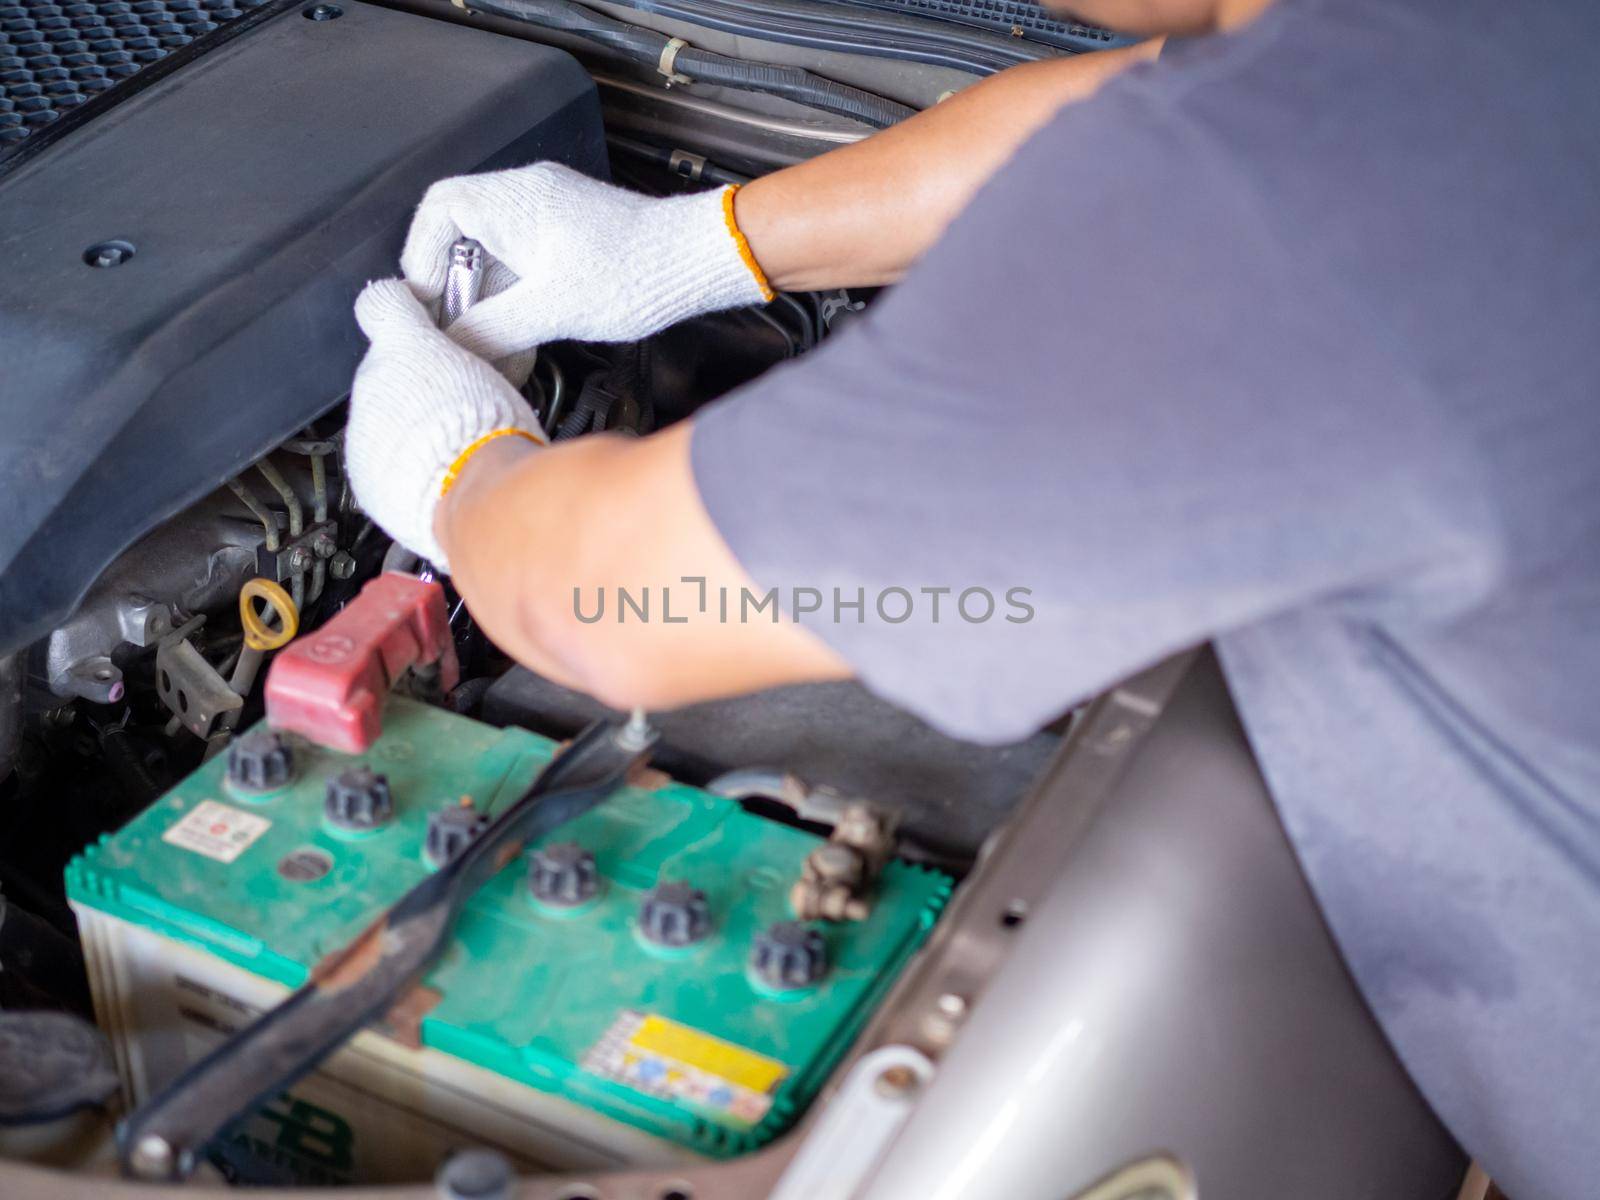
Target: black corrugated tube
[[647, 46]]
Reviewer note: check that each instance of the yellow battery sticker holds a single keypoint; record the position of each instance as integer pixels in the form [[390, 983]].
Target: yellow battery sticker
[[673, 1061]]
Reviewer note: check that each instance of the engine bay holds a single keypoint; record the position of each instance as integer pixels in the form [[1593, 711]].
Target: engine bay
[[720, 921], [737, 967]]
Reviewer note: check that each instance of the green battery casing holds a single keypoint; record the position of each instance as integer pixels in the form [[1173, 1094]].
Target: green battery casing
[[685, 1044]]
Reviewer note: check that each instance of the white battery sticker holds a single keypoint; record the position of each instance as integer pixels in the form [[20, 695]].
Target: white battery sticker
[[217, 831]]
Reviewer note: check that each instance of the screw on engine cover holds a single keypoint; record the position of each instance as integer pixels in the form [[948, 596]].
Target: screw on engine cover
[[341, 566], [108, 254], [322, 12]]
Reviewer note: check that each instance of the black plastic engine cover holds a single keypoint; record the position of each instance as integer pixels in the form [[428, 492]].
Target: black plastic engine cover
[[259, 185]]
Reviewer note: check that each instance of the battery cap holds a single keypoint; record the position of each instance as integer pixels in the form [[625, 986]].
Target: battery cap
[[674, 914], [358, 799], [260, 761], [450, 830], [789, 954], [563, 875]]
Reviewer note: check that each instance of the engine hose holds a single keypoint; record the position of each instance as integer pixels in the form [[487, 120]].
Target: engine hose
[[123, 756], [589, 414], [467, 698], [648, 47], [692, 168], [11, 673], [792, 83]]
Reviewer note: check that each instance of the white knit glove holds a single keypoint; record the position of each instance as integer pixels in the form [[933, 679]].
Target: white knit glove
[[419, 408], [592, 262]]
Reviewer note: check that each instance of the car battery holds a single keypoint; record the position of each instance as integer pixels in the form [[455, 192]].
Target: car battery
[[599, 1004]]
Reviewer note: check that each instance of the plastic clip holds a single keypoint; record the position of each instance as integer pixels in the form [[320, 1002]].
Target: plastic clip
[[667, 64]]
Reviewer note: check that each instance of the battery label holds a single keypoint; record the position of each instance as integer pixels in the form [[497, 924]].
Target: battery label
[[666, 1059], [216, 830]]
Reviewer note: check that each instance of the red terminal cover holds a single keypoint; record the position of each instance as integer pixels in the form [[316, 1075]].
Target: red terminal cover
[[330, 686]]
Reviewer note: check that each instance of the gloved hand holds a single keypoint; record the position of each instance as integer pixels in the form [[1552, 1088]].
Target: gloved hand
[[420, 407], [592, 261]]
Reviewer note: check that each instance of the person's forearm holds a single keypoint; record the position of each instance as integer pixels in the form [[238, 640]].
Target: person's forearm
[[860, 215], [544, 543]]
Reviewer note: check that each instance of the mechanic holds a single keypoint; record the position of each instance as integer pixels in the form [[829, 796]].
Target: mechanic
[[1286, 336]]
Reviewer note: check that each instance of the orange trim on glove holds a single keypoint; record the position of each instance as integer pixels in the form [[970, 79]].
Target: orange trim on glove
[[743, 245], [462, 459]]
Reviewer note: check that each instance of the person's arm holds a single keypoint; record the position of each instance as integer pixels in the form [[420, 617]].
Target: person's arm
[[860, 215], [1037, 465], [536, 537], [575, 258], [448, 458]]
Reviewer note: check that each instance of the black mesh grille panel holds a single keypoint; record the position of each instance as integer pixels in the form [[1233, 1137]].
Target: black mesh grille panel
[[54, 56], [1019, 18]]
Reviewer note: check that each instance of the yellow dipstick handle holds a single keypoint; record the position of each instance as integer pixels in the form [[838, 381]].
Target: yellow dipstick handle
[[258, 635]]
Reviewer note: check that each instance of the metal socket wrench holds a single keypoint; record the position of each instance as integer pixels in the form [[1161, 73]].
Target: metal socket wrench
[[463, 280]]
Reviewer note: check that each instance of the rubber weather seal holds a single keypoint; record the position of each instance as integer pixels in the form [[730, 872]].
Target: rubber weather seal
[[680, 61], [855, 30]]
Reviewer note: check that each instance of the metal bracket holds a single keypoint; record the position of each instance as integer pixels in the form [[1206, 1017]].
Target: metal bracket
[[191, 688], [690, 166]]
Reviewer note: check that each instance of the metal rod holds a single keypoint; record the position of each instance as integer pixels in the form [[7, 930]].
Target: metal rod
[[319, 488], [248, 498], [286, 493]]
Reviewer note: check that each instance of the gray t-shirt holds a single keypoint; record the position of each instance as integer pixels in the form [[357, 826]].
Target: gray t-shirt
[[1290, 340]]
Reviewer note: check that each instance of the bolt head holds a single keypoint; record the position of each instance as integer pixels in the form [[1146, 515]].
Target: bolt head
[[152, 1157], [896, 1082], [636, 735], [476, 1174], [108, 254]]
